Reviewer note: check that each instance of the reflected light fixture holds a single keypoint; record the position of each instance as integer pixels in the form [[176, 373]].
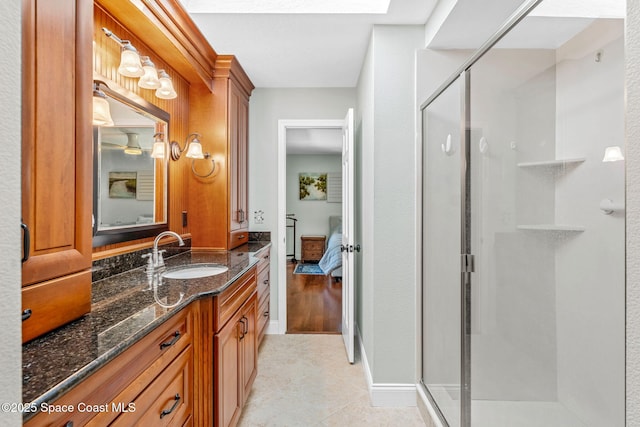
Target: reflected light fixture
[[158, 151], [101, 109], [193, 147], [166, 90], [613, 154], [133, 146]]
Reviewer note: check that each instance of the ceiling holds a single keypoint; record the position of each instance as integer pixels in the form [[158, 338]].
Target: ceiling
[[298, 49], [320, 49]]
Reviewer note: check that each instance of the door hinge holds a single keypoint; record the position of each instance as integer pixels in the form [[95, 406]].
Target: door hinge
[[467, 263]]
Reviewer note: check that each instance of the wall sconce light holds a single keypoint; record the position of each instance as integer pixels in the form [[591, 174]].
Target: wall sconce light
[[166, 90], [192, 145], [613, 154], [133, 146], [101, 109], [158, 151], [150, 78], [194, 151]]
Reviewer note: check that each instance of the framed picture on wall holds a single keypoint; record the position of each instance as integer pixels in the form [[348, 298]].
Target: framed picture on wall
[[313, 186], [122, 185]]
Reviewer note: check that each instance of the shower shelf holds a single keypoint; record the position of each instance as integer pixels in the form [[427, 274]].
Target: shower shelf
[[552, 227], [546, 163]]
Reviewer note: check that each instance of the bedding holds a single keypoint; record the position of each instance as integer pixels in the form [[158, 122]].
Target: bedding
[[331, 261]]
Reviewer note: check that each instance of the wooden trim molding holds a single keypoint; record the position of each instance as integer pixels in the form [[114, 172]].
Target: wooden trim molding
[[228, 66]]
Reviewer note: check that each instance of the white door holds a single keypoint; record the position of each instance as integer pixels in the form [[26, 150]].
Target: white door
[[348, 227]]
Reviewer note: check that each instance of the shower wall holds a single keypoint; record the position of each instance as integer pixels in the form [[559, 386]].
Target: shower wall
[[590, 268]]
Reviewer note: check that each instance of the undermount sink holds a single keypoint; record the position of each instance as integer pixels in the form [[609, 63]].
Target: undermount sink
[[194, 271]]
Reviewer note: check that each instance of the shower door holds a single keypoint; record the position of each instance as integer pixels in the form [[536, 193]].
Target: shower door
[[523, 229], [547, 302], [442, 347]]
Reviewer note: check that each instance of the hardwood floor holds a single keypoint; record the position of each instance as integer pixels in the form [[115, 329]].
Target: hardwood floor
[[314, 303]]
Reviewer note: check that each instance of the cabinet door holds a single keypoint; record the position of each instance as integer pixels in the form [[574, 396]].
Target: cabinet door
[[238, 139], [249, 347], [56, 142], [228, 391]]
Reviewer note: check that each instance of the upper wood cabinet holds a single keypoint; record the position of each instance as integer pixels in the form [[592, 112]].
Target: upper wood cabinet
[[56, 162], [218, 205]]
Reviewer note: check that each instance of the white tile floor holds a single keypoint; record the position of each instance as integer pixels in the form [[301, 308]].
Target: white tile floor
[[305, 380]]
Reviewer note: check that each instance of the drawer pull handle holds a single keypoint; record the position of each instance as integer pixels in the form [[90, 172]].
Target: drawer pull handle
[[266, 281], [69, 424], [26, 314], [241, 236], [170, 410], [266, 313], [241, 337], [176, 337], [26, 242]]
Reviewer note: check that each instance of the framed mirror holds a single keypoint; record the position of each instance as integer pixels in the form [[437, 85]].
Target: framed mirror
[[129, 186]]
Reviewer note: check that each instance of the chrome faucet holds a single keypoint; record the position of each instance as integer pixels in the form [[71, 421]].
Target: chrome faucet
[[155, 257]]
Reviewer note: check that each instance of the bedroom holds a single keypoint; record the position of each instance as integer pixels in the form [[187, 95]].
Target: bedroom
[[313, 294]]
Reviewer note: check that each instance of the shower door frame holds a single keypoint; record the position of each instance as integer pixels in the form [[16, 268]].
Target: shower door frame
[[463, 73]]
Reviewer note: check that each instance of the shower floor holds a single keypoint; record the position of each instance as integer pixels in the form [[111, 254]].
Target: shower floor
[[496, 413]]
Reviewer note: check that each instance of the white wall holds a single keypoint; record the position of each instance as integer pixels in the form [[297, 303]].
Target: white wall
[[266, 108], [388, 138], [312, 215], [632, 125], [10, 240]]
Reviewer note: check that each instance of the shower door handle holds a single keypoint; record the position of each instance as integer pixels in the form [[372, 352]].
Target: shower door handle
[[467, 262]]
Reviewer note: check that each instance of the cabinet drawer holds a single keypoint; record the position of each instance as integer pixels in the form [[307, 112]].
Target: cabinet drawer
[[168, 400], [121, 380], [54, 303], [237, 238], [263, 317], [263, 283], [264, 256], [230, 300]]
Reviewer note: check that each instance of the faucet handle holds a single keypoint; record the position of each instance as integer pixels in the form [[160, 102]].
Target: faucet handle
[[149, 262], [160, 260]]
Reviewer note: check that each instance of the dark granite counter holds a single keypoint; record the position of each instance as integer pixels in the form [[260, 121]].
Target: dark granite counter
[[125, 308]]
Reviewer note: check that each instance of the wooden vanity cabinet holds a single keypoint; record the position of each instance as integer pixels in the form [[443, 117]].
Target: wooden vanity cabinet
[[218, 205], [235, 348], [56, 163], [138, 385]]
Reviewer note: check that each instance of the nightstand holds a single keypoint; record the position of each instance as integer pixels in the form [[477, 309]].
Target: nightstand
[[312, 248]]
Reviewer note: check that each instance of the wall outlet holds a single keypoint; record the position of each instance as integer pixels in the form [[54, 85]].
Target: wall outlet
[[258, 217]]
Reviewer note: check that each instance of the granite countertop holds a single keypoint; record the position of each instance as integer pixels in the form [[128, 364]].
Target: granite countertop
[[124, 309]]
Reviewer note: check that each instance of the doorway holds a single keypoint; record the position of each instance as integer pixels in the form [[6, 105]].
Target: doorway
[[312, 153]]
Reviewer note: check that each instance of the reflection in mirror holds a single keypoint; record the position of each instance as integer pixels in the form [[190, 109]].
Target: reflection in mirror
[[130, 186]]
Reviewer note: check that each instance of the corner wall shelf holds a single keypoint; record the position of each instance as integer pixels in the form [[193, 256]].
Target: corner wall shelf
[[551, 227], [558, 162]]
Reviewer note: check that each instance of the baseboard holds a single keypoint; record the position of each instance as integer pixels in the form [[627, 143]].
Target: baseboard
[[385, 394], [273, 328]]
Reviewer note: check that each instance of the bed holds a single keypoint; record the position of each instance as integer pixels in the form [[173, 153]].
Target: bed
[[331, 261]]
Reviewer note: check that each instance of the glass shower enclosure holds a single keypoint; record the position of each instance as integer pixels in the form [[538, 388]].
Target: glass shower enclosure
[[523, 228]]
